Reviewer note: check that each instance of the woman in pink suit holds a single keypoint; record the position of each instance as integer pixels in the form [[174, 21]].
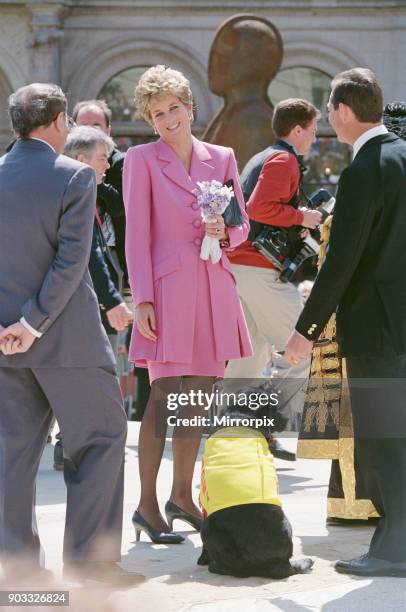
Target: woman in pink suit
[[188, 317]]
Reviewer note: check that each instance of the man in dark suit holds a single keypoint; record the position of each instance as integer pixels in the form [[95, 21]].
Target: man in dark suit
[[96, 113], [364, 276], [55, 357]]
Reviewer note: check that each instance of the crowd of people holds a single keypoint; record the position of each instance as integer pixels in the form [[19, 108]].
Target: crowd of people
[[82, 226]]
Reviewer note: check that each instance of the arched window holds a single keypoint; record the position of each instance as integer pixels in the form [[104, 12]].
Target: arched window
[[118, 92], [302, 82], [328, 157]]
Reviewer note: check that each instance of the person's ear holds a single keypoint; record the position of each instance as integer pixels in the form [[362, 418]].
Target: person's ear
[[345, 112], [80, 157], [60, 122]]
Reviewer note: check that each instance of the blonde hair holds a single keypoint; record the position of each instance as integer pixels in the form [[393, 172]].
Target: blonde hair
[[157, 82]]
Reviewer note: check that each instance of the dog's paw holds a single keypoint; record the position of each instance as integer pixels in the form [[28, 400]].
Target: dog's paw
[[204, 558], [302, 566]]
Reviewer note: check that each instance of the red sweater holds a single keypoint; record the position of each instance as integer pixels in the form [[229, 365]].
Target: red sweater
[[278, 182]]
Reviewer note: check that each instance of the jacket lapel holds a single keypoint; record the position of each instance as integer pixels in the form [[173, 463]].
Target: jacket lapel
[[201, 167], [172, 167]]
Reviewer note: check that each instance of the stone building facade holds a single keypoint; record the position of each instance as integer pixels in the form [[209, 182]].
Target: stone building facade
[[84, 44]]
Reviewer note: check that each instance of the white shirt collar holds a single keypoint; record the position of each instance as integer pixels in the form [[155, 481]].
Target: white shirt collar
[[371, 133], [40, 139]]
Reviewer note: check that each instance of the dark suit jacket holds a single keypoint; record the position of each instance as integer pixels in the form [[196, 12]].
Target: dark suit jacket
[[364, 272], [47, 204], [110, 200], [104, 276]]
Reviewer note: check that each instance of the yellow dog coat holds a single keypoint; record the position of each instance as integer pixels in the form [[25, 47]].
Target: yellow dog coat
[[237, 468]]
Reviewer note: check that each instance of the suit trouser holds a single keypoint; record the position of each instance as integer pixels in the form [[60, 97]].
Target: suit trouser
[[88, 406], [378, 402], [113, 339], [271, 311]]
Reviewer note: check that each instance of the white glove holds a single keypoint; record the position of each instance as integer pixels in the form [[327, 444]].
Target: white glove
[[210, 248]]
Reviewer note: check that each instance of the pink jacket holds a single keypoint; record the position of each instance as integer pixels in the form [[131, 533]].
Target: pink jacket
[[163, 239]]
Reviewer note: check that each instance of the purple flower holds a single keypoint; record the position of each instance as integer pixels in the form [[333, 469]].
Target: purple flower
[[213, 199]]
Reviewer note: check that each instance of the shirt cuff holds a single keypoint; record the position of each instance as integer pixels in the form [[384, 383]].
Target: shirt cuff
[[33, 331]]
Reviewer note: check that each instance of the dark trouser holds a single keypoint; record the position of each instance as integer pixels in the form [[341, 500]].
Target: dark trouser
[[142, 390], [378, 402], [113, 339], [88, 406]]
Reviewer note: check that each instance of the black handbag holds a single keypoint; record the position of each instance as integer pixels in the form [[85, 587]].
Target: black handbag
[[232, 215]]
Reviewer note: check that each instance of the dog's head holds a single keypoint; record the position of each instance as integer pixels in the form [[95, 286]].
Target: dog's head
[[255, 404]]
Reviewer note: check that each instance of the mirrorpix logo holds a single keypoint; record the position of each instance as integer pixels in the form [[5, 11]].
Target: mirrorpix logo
[[207, 401]]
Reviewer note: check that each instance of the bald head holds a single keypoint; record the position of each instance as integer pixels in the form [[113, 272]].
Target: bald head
[[93, 113]]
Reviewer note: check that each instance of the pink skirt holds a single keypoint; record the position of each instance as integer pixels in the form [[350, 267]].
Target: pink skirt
[[204, 361]]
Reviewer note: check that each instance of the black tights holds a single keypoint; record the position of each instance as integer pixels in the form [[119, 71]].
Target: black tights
[[185, 446]]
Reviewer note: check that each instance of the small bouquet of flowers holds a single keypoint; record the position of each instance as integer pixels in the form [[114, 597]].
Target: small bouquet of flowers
[[213, 199]]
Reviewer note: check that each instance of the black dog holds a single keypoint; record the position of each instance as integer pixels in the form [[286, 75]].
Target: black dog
[[250, 539]]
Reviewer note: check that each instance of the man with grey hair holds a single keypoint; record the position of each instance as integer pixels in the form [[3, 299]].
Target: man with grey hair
[[93, 147], [84, 140], [55, 357], [96, 113]]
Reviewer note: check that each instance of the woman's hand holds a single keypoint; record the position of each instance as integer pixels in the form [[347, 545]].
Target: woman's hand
[[145, 320], [217, 229]]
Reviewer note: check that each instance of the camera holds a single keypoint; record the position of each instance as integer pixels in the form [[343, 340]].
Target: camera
[[274, 244], [285, 248], [322, 201]]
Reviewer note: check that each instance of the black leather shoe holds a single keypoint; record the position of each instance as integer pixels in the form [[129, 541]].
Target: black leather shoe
[[365, 565], [157, 537], [173, 512], [280, 452], [333, 521], [109, 574], [58, 456]]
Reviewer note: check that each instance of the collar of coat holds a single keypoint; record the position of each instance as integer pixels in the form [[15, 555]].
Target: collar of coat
[[201, 166], [380, 139]]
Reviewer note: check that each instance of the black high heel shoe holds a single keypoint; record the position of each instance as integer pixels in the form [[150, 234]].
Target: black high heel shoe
[[157, 537], [173, 512]]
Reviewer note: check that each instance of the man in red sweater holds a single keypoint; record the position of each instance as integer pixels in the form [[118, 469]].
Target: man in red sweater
[[271, 184]]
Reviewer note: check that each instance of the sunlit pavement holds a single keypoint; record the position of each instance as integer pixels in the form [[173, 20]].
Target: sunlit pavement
[[175, 582]]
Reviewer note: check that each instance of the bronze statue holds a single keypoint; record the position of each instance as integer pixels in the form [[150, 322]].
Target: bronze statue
[[245, 55]]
